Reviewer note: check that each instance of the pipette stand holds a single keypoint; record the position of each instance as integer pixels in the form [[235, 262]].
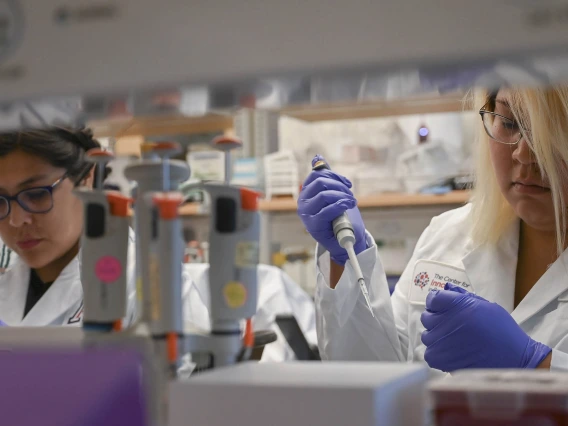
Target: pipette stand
[[233, 240], [227, 144], [149, 174], [104, 252], [234, 247], [104, 275], [159, 257], [166, 312]]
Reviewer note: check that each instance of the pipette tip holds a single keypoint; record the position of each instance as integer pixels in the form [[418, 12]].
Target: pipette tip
[[365, 292]]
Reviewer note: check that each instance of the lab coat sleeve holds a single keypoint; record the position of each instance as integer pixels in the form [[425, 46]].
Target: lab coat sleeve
[[196, 299], [559, 361], [7, 257], [132, 309], [193, 308], [345, 327], [279, 294], [302, 307]]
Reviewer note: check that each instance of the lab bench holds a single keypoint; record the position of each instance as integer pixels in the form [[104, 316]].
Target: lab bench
[[386, 216], [396, 221]]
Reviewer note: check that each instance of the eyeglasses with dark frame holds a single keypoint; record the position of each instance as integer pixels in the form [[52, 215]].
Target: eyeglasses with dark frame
[[500, 128], [33, 200]]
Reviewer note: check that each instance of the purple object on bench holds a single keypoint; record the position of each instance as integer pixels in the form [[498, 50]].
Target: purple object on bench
[[71, 388]]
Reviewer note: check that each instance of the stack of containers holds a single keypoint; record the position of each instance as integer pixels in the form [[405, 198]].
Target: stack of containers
[[501, 398], [281, 175]]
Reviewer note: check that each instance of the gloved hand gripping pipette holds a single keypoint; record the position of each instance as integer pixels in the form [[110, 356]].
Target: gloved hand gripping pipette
[[345, 235]]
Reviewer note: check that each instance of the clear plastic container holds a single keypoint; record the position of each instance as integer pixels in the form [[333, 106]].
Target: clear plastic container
[[501, 398]]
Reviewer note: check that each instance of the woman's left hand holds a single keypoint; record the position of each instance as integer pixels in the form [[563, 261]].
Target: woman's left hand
[[466, 331]]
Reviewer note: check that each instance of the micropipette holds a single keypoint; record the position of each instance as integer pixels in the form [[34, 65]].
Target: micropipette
[[345, 235]]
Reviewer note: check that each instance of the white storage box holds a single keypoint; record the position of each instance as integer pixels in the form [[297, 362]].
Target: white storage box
[[302, 394]]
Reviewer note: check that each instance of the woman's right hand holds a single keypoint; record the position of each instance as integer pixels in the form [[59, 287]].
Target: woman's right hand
[[325, 196]]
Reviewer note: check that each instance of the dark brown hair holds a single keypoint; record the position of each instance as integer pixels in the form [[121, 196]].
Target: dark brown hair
[[61, 147]]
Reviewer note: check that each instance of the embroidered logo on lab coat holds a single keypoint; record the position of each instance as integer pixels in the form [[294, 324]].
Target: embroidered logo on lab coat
[[422, 280], [429, 274]]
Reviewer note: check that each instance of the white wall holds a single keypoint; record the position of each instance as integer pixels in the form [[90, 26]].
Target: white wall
[[447, 127], [454, 130]]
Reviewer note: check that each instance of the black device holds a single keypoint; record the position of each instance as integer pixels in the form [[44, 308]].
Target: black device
[[296, 339]]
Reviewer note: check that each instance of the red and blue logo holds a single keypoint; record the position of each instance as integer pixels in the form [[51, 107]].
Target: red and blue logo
[[422, 280]]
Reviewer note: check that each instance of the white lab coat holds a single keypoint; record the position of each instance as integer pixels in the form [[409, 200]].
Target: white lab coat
[[6, 257], [62, 303], [347, 331], [277, 294]]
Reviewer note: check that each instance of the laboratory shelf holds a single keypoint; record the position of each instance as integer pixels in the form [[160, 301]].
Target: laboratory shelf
[[160, 125], [175, 124], [434, 103], [288, 204], [398, 216], [410, 200]]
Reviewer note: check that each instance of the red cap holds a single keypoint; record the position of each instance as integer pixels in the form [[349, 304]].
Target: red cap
[[99, 152], [158, 146], [119, 204], [226, 141], [249, 199], [168, 205], [147, 146], [249, 334], [172, 344]]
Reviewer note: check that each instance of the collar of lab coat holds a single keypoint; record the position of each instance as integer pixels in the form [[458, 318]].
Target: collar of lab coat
[[549, 287], [492, 270], [65, 291]]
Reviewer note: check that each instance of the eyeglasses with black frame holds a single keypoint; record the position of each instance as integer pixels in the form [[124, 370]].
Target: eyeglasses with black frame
[[33, 200], [500, 128]]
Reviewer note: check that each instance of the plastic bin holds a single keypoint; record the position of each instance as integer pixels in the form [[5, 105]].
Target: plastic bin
[[501, 398]]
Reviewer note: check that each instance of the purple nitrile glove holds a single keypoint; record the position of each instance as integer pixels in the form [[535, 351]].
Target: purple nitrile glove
[[2, 323], [466, 331], [325, 196]]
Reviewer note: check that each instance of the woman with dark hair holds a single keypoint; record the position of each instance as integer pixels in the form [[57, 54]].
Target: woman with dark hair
[[41, 220]]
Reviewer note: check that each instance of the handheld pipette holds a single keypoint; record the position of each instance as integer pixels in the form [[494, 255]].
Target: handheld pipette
[[345, 235]]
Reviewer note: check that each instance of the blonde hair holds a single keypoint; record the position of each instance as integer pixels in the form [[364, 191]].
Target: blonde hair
[[543, 112]]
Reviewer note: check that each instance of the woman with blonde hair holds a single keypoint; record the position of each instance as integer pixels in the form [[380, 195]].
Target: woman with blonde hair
[[487, 285]]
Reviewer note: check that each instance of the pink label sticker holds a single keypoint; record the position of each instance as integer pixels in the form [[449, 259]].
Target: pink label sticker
[[108, 269]]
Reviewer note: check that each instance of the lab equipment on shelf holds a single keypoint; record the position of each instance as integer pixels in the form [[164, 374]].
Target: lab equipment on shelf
[[426, 163], [281, 175]]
